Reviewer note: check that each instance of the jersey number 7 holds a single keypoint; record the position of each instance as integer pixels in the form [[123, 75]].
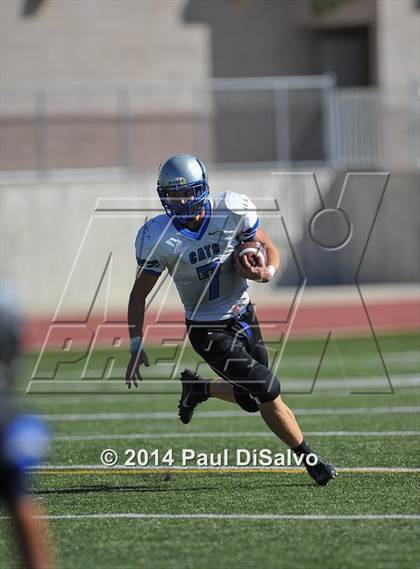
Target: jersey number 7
[[211, 271]]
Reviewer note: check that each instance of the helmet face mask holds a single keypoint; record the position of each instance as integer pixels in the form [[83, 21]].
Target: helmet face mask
[[182, 186], [183, 201]]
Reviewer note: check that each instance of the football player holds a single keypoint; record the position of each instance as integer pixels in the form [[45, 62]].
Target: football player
[[22, 439], [195, 239]]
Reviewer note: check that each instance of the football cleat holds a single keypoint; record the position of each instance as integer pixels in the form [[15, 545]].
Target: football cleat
[[321, 472], [193, 393]]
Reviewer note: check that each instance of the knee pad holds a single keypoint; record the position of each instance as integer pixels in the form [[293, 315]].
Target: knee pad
[[262, 384], [245, 400]]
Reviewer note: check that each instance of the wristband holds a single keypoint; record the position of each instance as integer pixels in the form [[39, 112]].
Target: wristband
[[136, 344], [272, 270]]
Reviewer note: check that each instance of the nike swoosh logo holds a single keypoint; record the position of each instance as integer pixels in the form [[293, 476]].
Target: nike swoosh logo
[[213, 232], [185, 401]]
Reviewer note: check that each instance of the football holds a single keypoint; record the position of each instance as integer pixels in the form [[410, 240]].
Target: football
[[253, 251]]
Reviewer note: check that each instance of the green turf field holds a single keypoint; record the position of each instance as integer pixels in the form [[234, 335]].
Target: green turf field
[[113, 518]]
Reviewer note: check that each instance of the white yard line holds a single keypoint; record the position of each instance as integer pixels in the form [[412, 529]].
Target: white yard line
[[395, 358], [158, 415], [226, 434], [288, 384], [302, 361], [402, 380], [244, 517]]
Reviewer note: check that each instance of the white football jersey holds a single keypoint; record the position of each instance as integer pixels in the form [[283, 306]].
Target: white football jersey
[[200, 262]]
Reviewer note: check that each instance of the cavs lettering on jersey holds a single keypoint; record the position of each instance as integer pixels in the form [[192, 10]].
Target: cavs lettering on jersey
[[200, 261]]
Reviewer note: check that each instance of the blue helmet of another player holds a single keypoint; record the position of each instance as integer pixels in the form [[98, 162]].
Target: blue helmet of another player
[[183, 185]]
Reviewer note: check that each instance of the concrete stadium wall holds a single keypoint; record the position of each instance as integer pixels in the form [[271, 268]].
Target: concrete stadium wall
[[374, 236], [398, 48], [58, 237], [100, 84], [127, 40], [86, 41]]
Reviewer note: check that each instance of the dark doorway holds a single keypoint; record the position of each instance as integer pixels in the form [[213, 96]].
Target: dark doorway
[[345, 53]]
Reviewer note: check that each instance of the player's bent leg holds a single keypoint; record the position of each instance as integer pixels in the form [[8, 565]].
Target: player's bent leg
[[221, 390], [194, 388], [245, 400], [260, 382], [226, 391], [254, 388], [244, 381], [248, 394], [282, 422]]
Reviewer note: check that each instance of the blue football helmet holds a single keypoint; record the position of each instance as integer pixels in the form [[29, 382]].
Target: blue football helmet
[[183, 186]]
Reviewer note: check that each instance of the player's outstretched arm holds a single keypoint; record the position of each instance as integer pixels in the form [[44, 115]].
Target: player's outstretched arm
[[136, 308]]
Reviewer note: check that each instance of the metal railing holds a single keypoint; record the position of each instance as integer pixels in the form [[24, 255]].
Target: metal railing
[[284, 121], [369, 129]]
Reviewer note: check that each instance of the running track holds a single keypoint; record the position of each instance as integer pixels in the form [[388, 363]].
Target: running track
[[309, 319]]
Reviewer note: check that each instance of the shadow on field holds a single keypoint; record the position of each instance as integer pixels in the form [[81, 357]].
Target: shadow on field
[[108, 488], [142, 488]]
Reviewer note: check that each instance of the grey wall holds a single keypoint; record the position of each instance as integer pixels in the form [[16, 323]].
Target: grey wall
[[256, 38], [383, 217], [92, 40]]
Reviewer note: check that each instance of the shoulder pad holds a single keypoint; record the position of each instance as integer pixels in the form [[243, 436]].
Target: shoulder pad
[[236, 203], [156, 225]]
